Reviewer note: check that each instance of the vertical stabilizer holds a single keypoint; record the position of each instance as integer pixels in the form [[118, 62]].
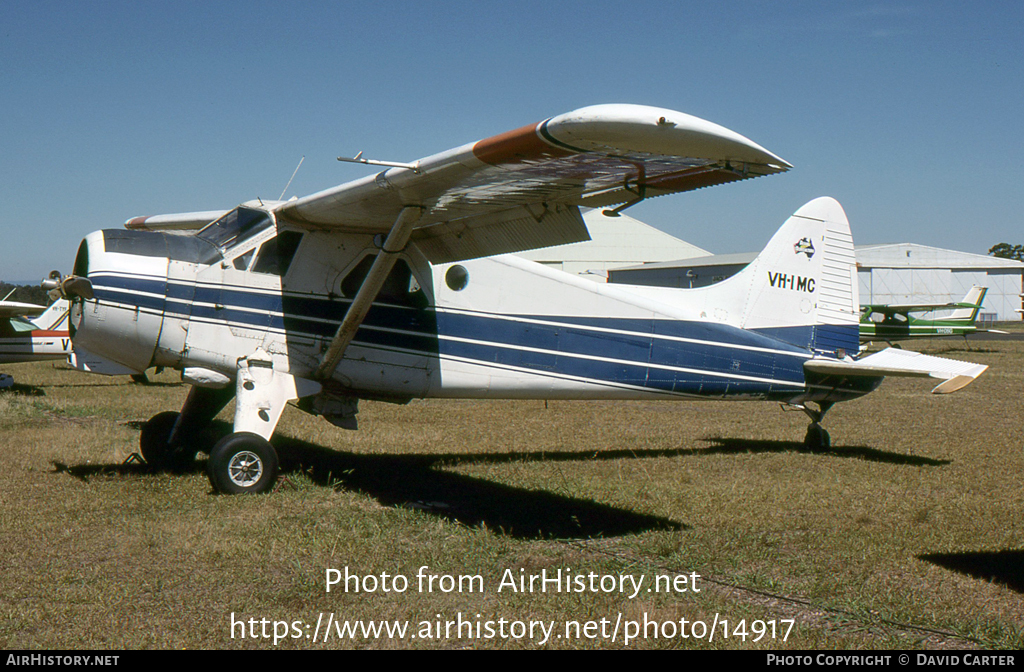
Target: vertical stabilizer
[[802, 288], [975, 297], [54, 318]]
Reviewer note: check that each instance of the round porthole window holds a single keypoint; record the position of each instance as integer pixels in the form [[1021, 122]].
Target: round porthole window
[[457, 278]]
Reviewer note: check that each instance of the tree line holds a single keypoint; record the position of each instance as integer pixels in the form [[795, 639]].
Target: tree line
[[25, 293], [1007, 251]]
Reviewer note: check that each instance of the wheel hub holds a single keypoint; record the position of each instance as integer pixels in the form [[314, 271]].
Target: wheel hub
[[245, 468]]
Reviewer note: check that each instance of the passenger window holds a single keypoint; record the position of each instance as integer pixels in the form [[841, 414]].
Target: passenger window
[[400, 287], [276, 255]]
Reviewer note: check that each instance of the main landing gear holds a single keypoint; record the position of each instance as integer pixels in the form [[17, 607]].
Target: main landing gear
[[241, 462]]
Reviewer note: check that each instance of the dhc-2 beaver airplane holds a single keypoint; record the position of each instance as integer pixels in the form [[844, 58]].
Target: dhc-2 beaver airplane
[[389, 288]]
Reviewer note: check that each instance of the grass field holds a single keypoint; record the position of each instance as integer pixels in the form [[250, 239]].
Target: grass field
[[908, 533]]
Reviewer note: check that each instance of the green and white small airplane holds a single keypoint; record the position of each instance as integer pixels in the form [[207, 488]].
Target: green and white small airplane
[[892, 322]]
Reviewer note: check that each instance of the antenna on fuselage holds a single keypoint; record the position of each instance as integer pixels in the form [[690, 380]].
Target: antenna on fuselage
[[292, 177]]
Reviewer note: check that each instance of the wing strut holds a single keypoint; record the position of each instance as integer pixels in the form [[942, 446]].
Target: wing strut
[[396, 241]]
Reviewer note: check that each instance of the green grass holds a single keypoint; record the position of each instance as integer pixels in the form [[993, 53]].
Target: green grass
[[908, 533]]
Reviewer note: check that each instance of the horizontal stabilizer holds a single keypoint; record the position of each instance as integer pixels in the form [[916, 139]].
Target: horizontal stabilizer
[[86, 361], [896, 362]]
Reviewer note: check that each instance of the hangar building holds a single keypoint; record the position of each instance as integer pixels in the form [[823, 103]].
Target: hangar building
[[911, 273], [615, 241], [891, 273]]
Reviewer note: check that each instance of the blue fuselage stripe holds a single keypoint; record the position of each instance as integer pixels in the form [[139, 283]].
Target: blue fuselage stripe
[[663, 354]]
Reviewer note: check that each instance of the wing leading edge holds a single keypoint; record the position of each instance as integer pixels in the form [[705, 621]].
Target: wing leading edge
[[519, 190]]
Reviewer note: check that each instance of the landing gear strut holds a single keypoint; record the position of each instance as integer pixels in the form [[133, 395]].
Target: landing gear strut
[[244, 461]]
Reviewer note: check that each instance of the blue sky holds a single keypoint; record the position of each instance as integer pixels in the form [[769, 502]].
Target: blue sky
[[909, 113]]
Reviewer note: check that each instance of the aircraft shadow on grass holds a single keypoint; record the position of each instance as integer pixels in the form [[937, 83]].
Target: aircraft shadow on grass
[[117, 383], [22, 390], [1004, 567], [415, 481], [420, 481], [737, 446]]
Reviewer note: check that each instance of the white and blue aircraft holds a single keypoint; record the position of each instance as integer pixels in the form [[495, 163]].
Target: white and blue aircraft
[[401, 285]]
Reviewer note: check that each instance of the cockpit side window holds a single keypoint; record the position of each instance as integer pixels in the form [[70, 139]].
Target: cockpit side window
[[234, 227], [275, 256]]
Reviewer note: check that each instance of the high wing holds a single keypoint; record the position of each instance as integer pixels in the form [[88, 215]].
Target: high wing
[[183, 221], [905, 308], [18, 309], [516, 191], [519, 190], [972, 302]]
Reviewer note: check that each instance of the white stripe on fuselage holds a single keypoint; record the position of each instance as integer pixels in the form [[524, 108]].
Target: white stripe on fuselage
[[551, 321]]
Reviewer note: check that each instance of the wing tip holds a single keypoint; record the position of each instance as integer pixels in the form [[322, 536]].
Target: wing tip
[[957, 382]]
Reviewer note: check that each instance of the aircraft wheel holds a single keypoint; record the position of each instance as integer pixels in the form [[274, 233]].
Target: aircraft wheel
[[242, 463], [154, 444], [817, 438]]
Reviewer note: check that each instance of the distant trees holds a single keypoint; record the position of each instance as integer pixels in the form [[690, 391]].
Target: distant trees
[[25, 293], [1007, 251]]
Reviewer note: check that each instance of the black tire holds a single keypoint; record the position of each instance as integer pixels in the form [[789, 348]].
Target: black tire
[[817, 438], [242, 463], [155, 446]]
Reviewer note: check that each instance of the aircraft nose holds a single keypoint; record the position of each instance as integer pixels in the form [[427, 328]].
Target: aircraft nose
[[114, 325]]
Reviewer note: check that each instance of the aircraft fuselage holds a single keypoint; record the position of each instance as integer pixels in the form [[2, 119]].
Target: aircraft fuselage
[[434, 331]]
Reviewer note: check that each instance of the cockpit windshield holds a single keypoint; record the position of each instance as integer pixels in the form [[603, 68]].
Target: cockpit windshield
[[234, 227]]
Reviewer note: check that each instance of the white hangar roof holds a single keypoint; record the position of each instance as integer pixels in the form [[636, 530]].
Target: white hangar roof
[[912, 255], [886, 255]]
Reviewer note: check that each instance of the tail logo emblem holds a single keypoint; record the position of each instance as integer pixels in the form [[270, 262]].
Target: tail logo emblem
[[805, 246]]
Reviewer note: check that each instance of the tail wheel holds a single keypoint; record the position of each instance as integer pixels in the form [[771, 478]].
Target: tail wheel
[[817, 438], [242, 463], [156, 448]]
